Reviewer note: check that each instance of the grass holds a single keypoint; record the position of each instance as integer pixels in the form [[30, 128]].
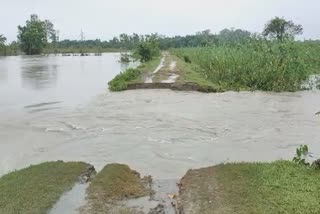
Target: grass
[[132, 75], [279, 187], [258, 65], [34, 190], [114, 183], [188, 74]]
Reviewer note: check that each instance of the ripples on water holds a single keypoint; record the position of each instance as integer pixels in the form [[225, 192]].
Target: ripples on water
[[157, 132], [162, 132]]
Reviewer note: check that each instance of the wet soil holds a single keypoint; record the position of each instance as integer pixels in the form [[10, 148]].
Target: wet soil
[[199, 192], [174, 86]]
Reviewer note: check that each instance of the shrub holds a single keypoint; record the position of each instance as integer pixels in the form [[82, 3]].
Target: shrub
[[120, 82]]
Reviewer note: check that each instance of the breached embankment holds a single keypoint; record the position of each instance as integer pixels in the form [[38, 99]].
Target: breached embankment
[[177, 86]]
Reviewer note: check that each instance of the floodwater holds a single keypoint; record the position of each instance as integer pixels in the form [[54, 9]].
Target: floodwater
[[158, 132], [54, 81]]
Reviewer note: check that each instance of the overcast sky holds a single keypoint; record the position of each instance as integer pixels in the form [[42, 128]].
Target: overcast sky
[[107, 18]]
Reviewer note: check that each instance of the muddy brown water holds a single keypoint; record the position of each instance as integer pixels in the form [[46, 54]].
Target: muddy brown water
[[58, 108], [162, 132]]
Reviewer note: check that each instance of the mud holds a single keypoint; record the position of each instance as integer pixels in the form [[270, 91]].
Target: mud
[[173, 86], [149, 76], [199, 192]]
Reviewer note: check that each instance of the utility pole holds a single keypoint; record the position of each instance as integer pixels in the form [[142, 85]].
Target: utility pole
[[82, 43], [82, 36]]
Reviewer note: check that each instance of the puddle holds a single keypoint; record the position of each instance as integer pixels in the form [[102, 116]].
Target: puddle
[[165, 190], [149, 78], [171, 79], [173, 65], [160, 65], [70, 202]]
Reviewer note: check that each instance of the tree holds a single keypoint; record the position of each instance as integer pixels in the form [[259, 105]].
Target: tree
[[281, 29], [34, 36], [2, 40], [2, 45], [233, 36], [148, 49]]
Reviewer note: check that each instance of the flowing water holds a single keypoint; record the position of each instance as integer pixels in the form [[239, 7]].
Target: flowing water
[[56, 108]]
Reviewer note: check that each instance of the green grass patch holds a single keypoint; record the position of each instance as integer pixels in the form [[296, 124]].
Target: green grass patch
[[279, 187], [114, 183], [34, 190], [132, 75], [188, 74]]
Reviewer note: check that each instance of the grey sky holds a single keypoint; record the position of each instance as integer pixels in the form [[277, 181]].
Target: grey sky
[[106, 18]]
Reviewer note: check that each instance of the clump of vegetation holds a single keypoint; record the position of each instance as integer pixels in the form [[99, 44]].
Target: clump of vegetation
[[260, 65], [34, 190], [300, 157], [148, 49], [121, 81], [271, 63], [186, 59], [34, 36], [281, 29], [114, 183], [125, 57], [132, 75]]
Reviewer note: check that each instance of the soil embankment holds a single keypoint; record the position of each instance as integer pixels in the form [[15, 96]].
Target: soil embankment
[[167, 76]]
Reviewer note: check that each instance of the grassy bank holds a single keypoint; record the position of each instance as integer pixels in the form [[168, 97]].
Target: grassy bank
[[258, 65], [188, 74], [114, 183], [279, 187], [132, 75], [36, 189]]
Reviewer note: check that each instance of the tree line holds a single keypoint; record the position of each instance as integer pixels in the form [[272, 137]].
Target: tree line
[[37, 36]]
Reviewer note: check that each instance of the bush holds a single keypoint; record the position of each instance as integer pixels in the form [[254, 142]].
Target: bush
[[148, 49], [186, 59], [120, 82]]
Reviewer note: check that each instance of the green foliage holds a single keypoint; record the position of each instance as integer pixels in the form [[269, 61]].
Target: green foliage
[[34, 36], [256, 65], [278, 187], [233, 36], [147, 49], [2, 44], [115, 182], [2, 40], [186, 59], [125, 57], [281, 29], [120, 82], [36, 189], [300, 157]]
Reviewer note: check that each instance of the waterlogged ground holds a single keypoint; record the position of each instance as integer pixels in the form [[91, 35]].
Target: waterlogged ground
[[161, 132]]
